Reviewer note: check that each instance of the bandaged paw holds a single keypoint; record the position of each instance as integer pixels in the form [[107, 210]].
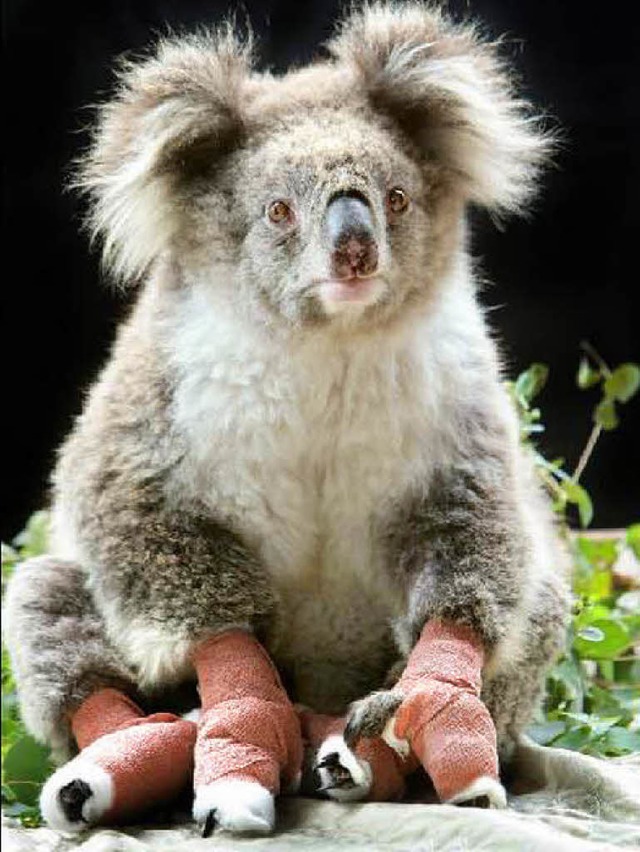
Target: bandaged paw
[[248, 731], [367, 770], [128, 764], [343, 776], [76, 796], [442, 718], [241, 807], [484, 792]]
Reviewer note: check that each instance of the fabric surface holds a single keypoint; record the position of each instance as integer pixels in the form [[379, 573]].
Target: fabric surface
[[581, 804]]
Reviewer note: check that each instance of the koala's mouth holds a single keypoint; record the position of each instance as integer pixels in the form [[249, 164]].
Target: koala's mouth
[[342, 293]]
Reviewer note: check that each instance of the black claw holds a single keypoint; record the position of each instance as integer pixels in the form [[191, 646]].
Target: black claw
[[339, 775], [330, 761], [209, 823], [72, 797]]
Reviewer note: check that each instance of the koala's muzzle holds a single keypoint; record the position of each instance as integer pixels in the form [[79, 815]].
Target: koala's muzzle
[[350, 228]]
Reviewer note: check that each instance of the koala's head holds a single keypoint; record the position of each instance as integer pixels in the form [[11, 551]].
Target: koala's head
[[335, 192]]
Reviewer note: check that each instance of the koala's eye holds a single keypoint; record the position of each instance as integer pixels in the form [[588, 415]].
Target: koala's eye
[[279, 212], [397, 200]]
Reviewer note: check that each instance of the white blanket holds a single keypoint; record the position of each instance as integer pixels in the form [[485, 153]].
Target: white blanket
[[581, 803]]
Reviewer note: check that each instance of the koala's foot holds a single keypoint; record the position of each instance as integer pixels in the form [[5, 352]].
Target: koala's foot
[[343, 776], [370, 716], [76, 796], [484, 792], [241, 807], [249, 744], [128, 763]]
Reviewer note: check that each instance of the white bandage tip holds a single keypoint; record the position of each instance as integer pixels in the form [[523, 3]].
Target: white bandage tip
[[241, 807], [359, 769], [96, 805], [483, 786]]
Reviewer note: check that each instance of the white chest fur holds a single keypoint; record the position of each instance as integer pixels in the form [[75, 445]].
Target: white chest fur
[[301, 449]]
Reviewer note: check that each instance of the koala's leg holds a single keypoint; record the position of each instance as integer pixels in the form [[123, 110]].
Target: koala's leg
[[372, 771], [466, 549], [70, 684], [434, 716], [58, 649], [248, 735], [513, 689]]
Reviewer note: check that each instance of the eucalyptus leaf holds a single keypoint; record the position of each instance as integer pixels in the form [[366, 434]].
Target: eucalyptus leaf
[[579, 496], [615, 639], [605, 414], [25, 769], [619, 741], [529, 384], [33, 540], [546, 732], [600, 553], [587, 375], [575, 738], [633, 539], [623, 382], [591, 634]]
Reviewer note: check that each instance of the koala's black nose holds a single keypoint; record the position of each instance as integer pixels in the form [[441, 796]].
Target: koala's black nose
[[354, 251]]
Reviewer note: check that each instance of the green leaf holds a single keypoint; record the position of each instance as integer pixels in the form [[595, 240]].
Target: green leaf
[[529, 384], [606, 703], [620, 741], [587, 375], [575, 738], [600, 553], [623, 382], [633, 539], [546, 732], [591, 613], [591, 634], [577, 495], [605, 414], [615, 639], [33, 540], [26, 768], [567, 675]]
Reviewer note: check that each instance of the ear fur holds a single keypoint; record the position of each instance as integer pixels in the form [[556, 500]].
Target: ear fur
[[180, 105], [451, 93]]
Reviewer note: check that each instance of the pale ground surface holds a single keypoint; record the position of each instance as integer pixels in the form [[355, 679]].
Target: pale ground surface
[[584, 805]]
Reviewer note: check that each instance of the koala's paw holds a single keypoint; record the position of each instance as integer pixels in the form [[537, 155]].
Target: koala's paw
[[76, 796], [241, 807], [343, 776], [484, 792], [369, 716]]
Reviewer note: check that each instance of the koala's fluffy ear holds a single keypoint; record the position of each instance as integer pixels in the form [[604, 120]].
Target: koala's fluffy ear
[[448, 89], [172, 112]]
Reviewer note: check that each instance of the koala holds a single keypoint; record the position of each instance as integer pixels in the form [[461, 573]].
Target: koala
[[301, 433]]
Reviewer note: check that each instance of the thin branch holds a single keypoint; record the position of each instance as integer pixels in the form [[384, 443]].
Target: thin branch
[[586, 452]]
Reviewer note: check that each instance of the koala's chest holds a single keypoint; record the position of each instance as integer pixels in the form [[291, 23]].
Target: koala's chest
[[304, 467]]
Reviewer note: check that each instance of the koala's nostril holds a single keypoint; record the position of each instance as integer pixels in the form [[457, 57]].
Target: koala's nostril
[[354, 251], [354, 257]]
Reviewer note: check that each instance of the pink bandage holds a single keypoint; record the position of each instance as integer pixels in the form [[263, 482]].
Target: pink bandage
[[442, 717], [248, 729], [388, 768], [148, 758]]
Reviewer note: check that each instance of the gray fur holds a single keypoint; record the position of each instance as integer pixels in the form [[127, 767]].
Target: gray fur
[[251, 456], [59, 652]]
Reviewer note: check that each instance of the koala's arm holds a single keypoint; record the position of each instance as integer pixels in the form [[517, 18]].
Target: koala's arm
[[160, 571], [460, 547]]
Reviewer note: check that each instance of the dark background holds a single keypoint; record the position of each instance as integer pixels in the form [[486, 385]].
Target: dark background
[[566, 274]]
